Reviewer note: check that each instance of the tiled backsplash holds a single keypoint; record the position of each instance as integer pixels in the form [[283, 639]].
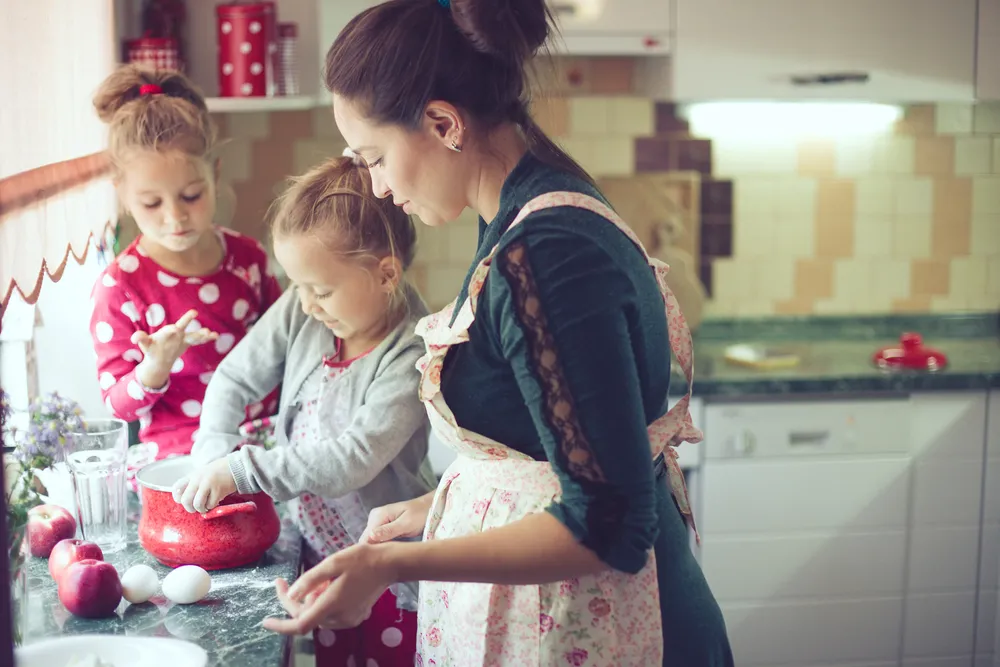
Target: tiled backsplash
[[907, 221]]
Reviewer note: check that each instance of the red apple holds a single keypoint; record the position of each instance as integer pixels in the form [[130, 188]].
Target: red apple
[[90, 588], [47, 525], [67, 552]]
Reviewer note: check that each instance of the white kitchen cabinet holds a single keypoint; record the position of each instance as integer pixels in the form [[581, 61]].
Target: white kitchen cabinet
[[618, 27], [910, 50], [840, 532], [988, 51], [988, 622]]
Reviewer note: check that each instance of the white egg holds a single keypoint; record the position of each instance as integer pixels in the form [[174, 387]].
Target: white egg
[[139, 583], [187, 584]]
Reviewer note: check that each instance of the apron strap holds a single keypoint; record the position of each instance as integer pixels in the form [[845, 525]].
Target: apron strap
[[676, 426]]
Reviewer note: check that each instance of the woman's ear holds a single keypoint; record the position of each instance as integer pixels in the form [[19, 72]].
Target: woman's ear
[[444, 121]]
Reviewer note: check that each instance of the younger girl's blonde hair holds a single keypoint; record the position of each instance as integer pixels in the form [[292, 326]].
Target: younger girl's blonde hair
[[153, 109], [335, 203]]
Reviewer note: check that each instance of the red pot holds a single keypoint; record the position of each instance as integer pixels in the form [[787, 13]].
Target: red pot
[[234, 534]]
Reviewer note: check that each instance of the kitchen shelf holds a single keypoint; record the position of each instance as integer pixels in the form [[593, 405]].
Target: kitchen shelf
[[249, 104]]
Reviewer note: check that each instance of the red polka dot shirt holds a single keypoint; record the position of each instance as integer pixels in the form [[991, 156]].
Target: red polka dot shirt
[[136, 294]]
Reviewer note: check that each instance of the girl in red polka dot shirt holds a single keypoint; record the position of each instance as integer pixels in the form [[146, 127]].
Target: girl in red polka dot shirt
[[173, 303]]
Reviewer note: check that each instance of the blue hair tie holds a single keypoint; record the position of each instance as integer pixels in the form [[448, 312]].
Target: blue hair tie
[[445, 3]]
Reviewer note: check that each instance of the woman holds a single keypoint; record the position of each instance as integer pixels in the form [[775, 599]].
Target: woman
[[559, 532]]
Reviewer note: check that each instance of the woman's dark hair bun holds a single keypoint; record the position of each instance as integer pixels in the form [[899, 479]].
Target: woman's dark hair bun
[[512, 30]]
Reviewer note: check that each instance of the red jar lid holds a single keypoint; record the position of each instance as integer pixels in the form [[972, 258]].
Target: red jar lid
[[910, 354], [244, 9], [290, 30]]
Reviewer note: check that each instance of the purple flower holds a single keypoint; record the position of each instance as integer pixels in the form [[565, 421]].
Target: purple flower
[[51, 419]]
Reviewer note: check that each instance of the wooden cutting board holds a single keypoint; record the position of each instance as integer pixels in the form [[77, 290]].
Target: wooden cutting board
[[664, 210]]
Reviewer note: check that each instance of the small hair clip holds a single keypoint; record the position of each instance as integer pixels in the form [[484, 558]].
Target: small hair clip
[[149, 89], [349, 153], [445, 3]]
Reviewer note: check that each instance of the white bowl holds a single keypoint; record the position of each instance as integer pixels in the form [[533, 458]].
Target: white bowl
[[116, 650]]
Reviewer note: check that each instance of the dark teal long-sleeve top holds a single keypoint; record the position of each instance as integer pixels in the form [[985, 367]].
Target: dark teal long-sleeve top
[[568, 361]]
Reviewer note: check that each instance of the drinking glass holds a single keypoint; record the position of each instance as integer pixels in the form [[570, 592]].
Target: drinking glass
[[96, 460]]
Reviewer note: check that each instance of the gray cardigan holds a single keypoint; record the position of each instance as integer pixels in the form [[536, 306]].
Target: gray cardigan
[[382, 454]]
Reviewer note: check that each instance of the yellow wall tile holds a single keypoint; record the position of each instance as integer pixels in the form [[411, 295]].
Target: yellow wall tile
[[432, 244], [613, 156], [754, 308], [443, 284], [851, 277], [911, 236], [895, 155], [833, 307], [736, 157], [949, 304], [775, 279], [953, 118], [914, 196], [875, 195], [985, 235], [631, 116], [872, 235], [753, 235], [993, 276], [310, 152], [256, 125], [985, 195], [733, 280], [996, 155], [856, 156], [580, 149], [890, 279], [796, 196], [984, 303], [973, 155], [968, 276], [461, 238], [588, 115], [986, 118], [236, 160], [755, 194], [793, 236], [324, 126]]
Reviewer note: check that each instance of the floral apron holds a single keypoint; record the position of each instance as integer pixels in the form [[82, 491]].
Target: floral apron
[[610, 619]]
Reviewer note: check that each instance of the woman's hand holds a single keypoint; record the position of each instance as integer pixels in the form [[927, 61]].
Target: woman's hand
[[161, 349], [338, 593], [205, 488], [405, 519]]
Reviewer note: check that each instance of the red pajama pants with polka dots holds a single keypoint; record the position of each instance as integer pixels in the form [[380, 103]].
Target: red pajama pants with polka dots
[[387, 639]]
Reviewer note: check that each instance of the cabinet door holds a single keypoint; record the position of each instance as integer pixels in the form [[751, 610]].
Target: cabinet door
[[988, 57], [612, 27], [909, 49], [988, 625]]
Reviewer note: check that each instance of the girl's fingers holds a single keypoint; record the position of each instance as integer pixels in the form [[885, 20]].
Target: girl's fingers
[[185, 319]]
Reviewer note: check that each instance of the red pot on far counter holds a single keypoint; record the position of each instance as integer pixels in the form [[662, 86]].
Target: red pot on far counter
[[234, 534]]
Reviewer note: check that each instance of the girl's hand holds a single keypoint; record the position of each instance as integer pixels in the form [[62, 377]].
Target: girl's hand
[[205, 488], [338, 593], [405, 519], [161, 349]]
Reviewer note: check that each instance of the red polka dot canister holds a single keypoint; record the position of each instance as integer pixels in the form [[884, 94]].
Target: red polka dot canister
[[247, 44]]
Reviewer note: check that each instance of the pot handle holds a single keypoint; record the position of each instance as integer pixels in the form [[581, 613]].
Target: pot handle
[[248, 507]]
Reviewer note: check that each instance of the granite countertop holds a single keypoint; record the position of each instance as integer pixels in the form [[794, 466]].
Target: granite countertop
[[227, 623], [836, 355]]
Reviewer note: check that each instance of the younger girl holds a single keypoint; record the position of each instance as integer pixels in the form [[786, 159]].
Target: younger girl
[[174, 302], [351, 432]]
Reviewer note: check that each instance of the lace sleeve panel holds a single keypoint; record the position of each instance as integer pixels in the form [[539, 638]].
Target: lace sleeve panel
[[558, 408]]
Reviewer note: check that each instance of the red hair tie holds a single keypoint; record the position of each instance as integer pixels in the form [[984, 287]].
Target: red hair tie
[[150, 89]]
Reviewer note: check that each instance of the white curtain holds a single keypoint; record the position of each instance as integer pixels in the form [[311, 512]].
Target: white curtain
[[53, 56]]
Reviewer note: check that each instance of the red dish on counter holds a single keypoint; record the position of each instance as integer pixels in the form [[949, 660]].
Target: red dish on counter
[[910, 354], [234, 534]]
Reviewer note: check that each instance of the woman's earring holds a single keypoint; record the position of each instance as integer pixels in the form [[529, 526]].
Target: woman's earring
[[454, 146]]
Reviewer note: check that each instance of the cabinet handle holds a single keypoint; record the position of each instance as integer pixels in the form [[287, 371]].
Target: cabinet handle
[[744, 443], [799, 438], [830, 79]]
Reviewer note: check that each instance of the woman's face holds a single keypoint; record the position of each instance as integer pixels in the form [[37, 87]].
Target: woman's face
[[415, 168]]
